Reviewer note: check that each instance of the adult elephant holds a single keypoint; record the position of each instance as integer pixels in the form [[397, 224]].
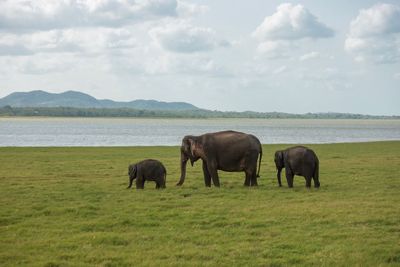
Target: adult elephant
[[227, 151]]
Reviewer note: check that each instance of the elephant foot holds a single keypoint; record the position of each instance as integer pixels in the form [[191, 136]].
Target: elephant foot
[[254, 183]]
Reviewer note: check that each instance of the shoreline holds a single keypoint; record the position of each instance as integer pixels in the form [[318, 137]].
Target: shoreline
[[196, 118], [177, 146]]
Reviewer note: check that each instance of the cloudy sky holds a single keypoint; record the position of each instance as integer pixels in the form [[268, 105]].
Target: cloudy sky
[[297, 56]]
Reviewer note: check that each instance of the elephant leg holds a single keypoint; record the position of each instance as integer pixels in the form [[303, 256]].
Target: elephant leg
[[247, 180], [212, 169], [253, 181], [316, 182], [251, 177], [308, 181], [157, 185], [139, 182], [289, 178], [251, 168], [161, 182], [207, 176], [278, 175], [215, 179]]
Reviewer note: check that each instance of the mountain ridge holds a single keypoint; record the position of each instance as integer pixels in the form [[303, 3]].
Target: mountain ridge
[[76, 99], [88, 106]]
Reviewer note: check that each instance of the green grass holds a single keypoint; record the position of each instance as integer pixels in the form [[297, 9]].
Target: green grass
[[70, 207]]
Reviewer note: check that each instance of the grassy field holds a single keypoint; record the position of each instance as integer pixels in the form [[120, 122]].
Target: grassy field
[[70, 207]]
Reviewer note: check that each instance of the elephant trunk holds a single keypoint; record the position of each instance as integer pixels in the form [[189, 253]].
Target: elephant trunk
[[183, 169], [278, 175], [130, 181]]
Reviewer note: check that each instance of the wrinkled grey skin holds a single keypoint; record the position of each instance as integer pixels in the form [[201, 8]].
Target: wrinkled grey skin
[[298, 160], [147, 170], [227, 151]]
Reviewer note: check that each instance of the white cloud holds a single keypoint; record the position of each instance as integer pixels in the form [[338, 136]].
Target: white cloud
[[396, 75], [374, 35], [13, 49], [111, 34], [195, 65], [380, 19], [280, 70], [56, 14], [310, 55], [188, 9], [275, 49], [144, 59], [330, 78], [37, 64], [85, 40], [291, 22], [182, 37]]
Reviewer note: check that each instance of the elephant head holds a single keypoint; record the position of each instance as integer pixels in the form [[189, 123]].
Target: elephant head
[[190, 149], [132, 172], [279, 163]]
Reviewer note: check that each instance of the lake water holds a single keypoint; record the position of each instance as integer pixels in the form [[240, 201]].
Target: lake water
[[149, 132]]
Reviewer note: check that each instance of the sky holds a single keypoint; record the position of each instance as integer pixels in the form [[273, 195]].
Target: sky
[[284, 56]]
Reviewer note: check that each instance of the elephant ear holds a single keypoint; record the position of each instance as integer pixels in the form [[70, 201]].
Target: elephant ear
[[279, 157], [192, 146], [133, 170], [185, 147]]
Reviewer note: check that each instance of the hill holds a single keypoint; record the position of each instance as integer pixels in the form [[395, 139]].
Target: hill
[[75, 99], [77, 104]]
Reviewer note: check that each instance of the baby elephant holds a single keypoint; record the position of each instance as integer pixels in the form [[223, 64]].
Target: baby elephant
[[147, 170], [298, 160]]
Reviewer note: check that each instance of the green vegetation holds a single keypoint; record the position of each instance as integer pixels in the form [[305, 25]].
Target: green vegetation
[[69, 207], [196, 113]]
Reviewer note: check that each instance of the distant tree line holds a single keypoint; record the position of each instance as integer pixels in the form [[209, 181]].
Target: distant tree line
[[200, 113]]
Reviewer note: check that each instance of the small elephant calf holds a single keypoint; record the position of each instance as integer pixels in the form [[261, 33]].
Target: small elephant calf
[[147, 170], [298, 160]]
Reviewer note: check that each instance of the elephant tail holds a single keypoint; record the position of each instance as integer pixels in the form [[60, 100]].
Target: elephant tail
[[259, 163], [316, 174]]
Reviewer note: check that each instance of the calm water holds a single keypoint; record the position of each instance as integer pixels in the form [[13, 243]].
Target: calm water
[[138, 132]]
